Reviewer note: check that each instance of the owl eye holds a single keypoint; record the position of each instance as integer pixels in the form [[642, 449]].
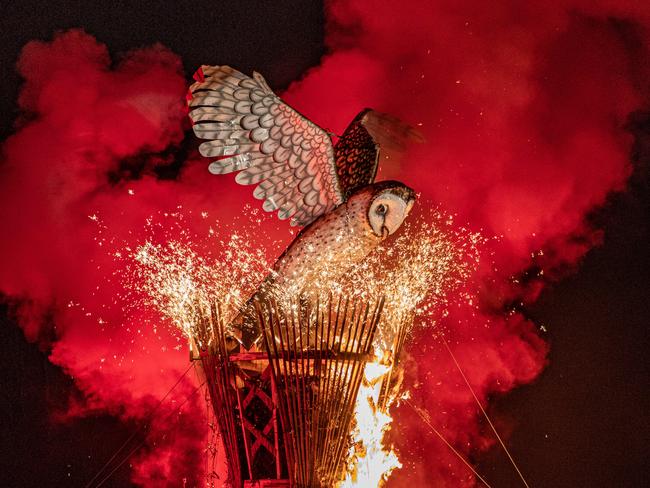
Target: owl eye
[[381, 209]]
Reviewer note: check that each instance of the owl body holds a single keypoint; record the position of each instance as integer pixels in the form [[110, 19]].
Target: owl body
[[326, 250], [302, 175], [327, 247]]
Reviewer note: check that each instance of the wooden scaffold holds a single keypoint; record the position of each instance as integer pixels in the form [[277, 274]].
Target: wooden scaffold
[[285, 413]]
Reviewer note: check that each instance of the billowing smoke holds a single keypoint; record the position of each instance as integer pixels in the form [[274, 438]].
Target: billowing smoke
[[86, 128], [523, 106], [87, 176]]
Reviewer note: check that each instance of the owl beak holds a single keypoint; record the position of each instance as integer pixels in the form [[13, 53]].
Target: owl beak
[[384, 232]]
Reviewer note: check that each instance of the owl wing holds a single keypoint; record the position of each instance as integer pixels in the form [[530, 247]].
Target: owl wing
[[253, 132], [370, 134]]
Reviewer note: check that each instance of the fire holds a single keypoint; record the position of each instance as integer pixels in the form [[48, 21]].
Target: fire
[[370, 462], [178, 277], [413, 272]]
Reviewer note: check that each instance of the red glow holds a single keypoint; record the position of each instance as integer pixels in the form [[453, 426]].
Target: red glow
[[523, 107]]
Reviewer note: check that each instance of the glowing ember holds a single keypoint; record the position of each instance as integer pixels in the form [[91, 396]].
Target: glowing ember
[[414, 272], [175, 277]]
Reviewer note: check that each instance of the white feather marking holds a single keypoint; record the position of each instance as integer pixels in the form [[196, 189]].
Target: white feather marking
[[260, 134], [305, 185], [243, 107], [242, 94], [250, 121], [266, 120], [269, 146], [258, 108], [281, 154]]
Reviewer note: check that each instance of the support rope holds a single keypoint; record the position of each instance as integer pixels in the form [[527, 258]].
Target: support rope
[[142, 443], [425, 418], [138, 431], [484, 412]]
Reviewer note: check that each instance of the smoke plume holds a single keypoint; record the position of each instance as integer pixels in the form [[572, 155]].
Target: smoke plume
[[85, 128], [523, 106]]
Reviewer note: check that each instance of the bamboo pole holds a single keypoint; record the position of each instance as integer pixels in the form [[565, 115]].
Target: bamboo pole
[[317, 362]]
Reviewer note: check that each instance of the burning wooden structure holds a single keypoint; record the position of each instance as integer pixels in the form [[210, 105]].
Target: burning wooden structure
[[285, 413]]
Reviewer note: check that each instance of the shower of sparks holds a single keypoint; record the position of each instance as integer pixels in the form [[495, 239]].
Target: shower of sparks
[[414, 272], [177, 280], [174, 277]]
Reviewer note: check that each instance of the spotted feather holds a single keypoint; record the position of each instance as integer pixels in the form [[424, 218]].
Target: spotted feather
[[252, 131], [369, 134]]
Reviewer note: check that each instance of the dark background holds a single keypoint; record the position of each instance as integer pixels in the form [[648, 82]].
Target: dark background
[[583, 423]]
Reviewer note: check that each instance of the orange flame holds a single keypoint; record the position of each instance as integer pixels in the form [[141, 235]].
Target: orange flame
[[413, 272]]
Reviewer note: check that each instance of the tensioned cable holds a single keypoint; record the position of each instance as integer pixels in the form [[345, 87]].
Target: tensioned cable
[[484, 412], [425, 419], [142, 443], [144, 426]]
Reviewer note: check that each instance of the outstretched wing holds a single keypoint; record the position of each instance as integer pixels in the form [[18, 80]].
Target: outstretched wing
[[357, 151], [252, 131]]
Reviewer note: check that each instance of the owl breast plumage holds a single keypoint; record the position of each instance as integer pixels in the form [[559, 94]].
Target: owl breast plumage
[[299, 173], [333, 242]]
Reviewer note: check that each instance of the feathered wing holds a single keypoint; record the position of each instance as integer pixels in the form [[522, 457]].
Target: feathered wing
[[370, 134], [253, 132]]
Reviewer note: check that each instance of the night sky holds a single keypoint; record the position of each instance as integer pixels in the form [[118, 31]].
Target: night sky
[[582, 422]]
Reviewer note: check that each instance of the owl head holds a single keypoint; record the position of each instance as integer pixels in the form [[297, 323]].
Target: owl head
[[385, 204]]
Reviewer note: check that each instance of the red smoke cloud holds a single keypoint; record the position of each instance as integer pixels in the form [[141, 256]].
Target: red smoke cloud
[[81, 122], [523, 107], [78, 184]]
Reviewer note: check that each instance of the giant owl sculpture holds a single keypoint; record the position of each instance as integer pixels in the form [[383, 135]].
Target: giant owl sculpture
[[301, 174]]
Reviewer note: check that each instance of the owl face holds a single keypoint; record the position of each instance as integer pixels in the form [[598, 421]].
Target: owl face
[[388, 205]]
